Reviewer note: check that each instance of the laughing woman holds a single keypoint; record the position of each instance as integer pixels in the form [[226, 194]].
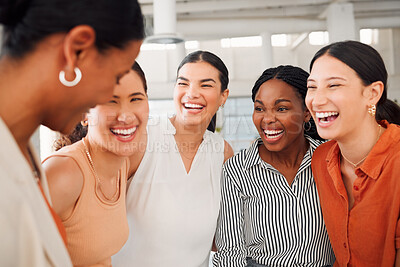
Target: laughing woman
[[87, 180], [270, 212], [357, 172], [173, 198]]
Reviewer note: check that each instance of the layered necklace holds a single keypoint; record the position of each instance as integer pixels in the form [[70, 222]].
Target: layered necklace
[[355, 165], [113, 197]]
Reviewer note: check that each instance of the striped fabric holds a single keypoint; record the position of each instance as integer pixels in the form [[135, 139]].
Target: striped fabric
[[264, 218]]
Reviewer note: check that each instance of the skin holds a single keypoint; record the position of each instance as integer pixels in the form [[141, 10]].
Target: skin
[[128, 109], [34, 78], [197, 83], [278, 107], [335, 87]]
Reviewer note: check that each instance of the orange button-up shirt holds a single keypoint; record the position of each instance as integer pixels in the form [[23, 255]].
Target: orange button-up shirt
[[368, 234]]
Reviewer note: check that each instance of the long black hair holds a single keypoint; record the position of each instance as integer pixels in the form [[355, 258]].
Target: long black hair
[[217, 63], [369, 66], [295, 77]]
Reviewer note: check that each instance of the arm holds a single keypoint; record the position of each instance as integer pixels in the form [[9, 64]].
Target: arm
[[229, 237], [228, 151], [65, 180]]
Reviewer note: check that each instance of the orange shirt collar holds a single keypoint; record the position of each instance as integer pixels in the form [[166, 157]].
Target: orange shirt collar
[[372, 166]]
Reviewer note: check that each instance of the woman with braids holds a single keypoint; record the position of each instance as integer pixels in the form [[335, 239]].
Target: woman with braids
[[270, 213], [58, 59], [358, 172], [87, 180]]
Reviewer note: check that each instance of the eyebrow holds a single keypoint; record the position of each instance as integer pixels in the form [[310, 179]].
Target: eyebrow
[[133, 94], [276, 102], [281, 100], [330, 78], [202, 81]]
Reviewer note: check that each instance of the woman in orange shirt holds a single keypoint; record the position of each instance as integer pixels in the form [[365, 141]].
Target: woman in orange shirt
[[357, 172]]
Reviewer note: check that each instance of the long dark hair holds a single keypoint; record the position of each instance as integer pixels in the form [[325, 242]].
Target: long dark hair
[[295, 77], [80, 130], [369, 66], [27, 22], [211, 59], [217, 63]]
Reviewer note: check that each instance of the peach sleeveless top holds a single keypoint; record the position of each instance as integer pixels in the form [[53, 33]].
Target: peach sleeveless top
[[96, 229]]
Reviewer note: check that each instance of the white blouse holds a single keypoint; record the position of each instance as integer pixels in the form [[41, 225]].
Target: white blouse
[[173, 214]]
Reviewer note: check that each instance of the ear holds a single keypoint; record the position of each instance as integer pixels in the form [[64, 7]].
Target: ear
[[77, 41], [307, 115], [374, 92], [224, 96]]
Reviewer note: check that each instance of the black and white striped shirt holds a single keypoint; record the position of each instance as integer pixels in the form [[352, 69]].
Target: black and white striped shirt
[[264, 218]]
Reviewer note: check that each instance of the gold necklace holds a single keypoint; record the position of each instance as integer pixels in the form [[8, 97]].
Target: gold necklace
[[97, 177], [358, 163]]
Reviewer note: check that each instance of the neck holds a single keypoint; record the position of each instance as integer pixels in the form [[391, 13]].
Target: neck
[[191, 134], [291, 157], [105, 162], [355, 147], [138, 154], [20, 101]]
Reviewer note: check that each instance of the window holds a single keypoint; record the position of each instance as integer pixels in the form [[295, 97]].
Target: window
[[251, 41], [280, 40], [369, 36], [318, 38], [192, 45]]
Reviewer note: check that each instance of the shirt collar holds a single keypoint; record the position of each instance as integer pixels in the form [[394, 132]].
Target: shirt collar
[[253, 157], [373, 164]]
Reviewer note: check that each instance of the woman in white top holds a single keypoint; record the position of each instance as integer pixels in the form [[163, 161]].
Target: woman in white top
[[174, 196]]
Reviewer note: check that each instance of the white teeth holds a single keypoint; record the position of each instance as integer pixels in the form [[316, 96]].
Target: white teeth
[[190, 105], [124, 131], [272, 132], [321, 115]]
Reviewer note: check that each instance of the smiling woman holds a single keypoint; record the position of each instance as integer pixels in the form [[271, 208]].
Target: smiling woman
[[357, 172], [87, 179], [268, 191], [173, 197], [58, 58]]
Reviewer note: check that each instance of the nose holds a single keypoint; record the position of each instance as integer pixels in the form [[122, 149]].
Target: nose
[[125, 115], [269, 117], [193, 92], [317, 97]]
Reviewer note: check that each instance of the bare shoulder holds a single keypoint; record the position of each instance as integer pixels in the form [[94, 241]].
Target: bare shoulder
[[228, 151], [65, 180]]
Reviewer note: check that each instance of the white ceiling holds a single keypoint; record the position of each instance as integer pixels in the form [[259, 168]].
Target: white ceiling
[[212, 19]]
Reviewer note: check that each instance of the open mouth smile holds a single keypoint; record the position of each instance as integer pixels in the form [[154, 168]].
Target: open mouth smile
[[124, 135], [273, 135], [193, 106], [326, 118]]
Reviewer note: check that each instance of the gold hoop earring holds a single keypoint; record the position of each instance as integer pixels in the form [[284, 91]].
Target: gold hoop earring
[[372, 110], [84, 123]]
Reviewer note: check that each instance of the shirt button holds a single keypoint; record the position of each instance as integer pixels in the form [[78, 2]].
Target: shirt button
[[355, 188], [344, 245]]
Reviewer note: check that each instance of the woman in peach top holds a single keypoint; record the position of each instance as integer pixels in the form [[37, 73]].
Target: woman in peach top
[[357, 172], [87, 179]]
